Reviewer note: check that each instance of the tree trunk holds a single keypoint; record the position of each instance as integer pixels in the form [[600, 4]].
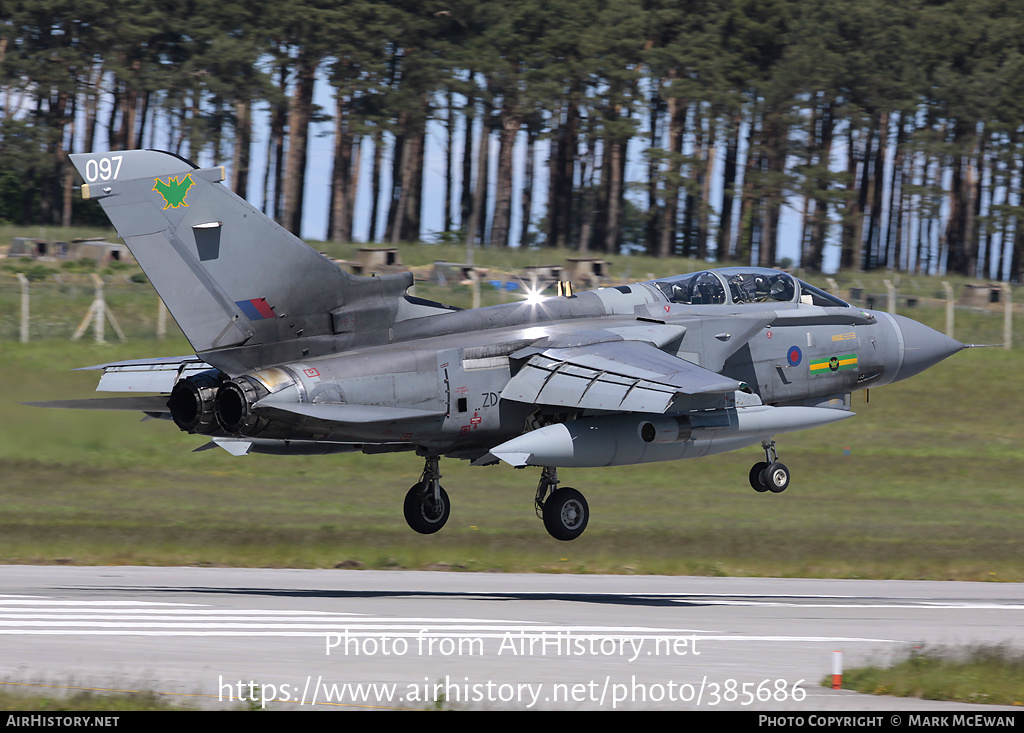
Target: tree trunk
[[478, 215], [300, 113], [710, 155], [339, 223], [613, 226], [894, 229], [414, 208], [673, 175], [749, 201], [449, 160], [275, 152], [819, 221], [563, 167], [875, 250], [243, 141], [525, 238], [378, 145], [851, 215], [466, 203], [725, 235], [510, 124]]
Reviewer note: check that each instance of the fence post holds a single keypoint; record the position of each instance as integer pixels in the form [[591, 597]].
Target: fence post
[[890, 290], [99, 308], [1007, 317], [97, 312], [949, 307], [24, 307], [161, 319]]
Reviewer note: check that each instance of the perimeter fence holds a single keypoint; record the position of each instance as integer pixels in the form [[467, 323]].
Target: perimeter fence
[[58, 307]]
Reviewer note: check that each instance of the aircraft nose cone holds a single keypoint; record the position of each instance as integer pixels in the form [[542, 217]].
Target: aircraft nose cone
[[922, 347]]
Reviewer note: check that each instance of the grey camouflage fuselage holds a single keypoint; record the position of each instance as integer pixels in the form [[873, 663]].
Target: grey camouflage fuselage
[[293, 355]]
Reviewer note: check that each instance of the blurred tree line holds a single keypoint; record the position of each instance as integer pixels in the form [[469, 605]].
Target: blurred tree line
[[893, 126]]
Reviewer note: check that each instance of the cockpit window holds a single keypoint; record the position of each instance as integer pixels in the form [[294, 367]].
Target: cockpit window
[[761, 286], [697, 288], [741, 285], [814, 296]]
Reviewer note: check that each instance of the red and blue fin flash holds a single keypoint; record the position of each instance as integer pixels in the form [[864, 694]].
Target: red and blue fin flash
[[256, 309]]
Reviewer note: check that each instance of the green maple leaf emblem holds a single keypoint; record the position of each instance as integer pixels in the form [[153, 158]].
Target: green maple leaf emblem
[[174, 191]]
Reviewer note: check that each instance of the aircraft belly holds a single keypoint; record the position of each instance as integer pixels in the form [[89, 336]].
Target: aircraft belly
[[398, 431]]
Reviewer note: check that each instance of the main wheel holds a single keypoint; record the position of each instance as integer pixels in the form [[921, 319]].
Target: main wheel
[[757, 477], [776, 477], [566, 514], [423, 513]]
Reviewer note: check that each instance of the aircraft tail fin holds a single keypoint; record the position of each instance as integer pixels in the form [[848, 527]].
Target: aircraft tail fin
[[229, 275]]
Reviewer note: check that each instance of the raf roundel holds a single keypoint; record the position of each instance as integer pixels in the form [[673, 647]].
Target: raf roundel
[[793, 356]]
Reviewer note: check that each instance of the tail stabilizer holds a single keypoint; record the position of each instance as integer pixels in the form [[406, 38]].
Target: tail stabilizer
[[229, 275]]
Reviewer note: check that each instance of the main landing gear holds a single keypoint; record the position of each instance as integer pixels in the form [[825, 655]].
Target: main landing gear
[[426, 505], [770, 474], [565, 512]]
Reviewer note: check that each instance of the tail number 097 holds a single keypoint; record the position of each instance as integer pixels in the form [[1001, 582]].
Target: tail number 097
[[103, 169]]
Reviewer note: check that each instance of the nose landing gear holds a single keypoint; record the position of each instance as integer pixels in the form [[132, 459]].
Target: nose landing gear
[[770, 474], [565, 512]]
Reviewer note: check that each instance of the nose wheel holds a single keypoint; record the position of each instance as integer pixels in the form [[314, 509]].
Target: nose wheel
[[770, 474], [565, 512]]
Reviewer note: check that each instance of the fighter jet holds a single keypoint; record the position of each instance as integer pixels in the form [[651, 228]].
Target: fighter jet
[[295, 356]]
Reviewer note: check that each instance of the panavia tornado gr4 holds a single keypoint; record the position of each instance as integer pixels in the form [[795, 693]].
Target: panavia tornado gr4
[[295, 356]]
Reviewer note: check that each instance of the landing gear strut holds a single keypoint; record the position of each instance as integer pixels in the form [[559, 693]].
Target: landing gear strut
[[426, 505], [565, 512], [770, 474]]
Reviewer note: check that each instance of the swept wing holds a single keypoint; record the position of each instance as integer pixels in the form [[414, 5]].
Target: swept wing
[[630, 376]]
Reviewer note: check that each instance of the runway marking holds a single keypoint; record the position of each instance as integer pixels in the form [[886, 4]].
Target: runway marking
[[943, 605], [38, 600], [35, 616], [47, 617]]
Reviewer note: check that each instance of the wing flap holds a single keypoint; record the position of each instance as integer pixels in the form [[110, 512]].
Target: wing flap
[[147, 375]]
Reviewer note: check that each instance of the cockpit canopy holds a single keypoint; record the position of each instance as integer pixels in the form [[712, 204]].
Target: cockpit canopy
[[740, 285]]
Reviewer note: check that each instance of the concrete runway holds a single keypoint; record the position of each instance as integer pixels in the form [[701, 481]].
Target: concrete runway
[[351, 639]]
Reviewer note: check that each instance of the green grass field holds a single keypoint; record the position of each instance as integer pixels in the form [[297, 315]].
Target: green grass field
[[930, 488], [925, 482], [991, 675]]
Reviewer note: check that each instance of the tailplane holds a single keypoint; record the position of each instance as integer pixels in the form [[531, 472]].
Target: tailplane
[[232, 278]]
